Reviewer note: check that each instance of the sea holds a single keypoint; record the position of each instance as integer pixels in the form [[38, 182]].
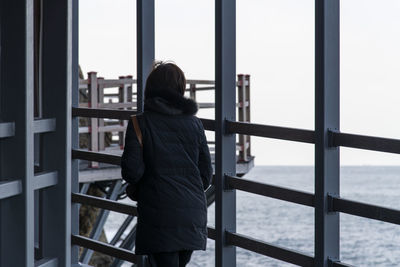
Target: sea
[[363, 242]]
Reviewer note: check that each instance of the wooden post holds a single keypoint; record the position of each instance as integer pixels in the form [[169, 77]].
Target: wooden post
[[129, 90], [94, 128], [193, 91], [101, 121], [242, 115], [247, 83], [128, 99], [122, 96]]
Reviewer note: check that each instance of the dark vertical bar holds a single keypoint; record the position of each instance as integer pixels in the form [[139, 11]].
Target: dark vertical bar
[[74, 34], [225, 105], [145, 46], [16, 153], [326, 117], [56, 146]]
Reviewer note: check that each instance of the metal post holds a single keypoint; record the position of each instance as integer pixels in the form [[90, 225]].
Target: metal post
[[16, 153], [75, 128], [145, 46], [225, 147], [326, 117], [145, 52], [58, 75]]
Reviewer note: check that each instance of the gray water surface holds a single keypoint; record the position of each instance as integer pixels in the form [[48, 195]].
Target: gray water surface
[[364, 242]]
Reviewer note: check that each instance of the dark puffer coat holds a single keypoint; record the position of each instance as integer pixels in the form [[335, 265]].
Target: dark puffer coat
[[171, 175]]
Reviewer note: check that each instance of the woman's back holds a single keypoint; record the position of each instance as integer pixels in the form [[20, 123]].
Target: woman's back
[[171, 173], [171, 154]]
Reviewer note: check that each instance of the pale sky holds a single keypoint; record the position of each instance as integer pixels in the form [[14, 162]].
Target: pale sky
[[275, 45]]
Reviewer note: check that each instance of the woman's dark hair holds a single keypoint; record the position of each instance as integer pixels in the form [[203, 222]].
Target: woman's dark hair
[[165, 76]]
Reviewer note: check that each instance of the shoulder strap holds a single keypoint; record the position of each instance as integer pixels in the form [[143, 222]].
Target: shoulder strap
[[137, 130]]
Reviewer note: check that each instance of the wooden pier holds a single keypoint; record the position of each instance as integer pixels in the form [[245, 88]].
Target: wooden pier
[[107, 135]]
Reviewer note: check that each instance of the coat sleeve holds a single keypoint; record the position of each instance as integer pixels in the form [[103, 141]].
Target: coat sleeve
[[205, 166], [132, 164]]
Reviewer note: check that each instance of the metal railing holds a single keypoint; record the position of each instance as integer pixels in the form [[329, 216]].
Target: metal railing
[[326, 138], [337, 204]]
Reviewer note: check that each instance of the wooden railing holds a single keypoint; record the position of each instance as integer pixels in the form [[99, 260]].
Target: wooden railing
[[95, 94]]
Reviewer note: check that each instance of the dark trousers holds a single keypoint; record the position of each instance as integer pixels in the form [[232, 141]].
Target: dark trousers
[[170, 259]]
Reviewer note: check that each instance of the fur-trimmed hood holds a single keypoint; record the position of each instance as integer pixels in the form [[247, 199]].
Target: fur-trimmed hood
[[169, 102]]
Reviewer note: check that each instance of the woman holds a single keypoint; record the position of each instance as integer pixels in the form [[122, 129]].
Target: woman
[[170, 172]]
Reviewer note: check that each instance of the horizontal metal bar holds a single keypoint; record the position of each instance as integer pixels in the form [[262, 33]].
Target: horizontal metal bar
[[212, 105], [104, 204], [10, 188], [7, 129], [44, 125], [270, 250], [123, 115], [117, 95], [364, 210], [104, 248], [47, 263], [103, 113], [95, 156], [339, 264], [45, 179], [200, 82], [103, 129], [130, 81], [211, 232], [111, 105], [92, 175], [84, 129], [208, 124], [115, 83], [82, 82], [118, 105], [277, 192], [112, 128], [206, 105], [276, 132], [205, 88], [365, 142]]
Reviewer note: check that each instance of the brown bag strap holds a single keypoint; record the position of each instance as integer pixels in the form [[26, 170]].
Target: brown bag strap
[[137, 130]]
